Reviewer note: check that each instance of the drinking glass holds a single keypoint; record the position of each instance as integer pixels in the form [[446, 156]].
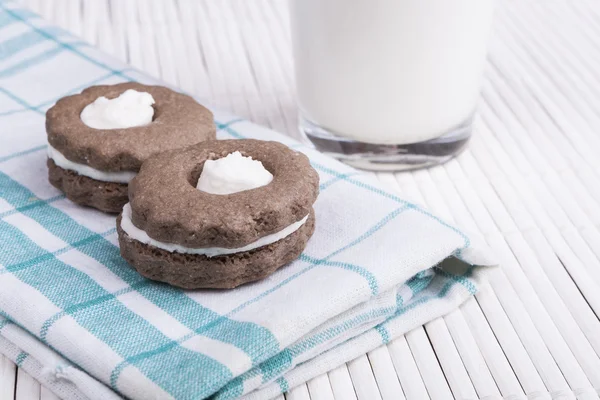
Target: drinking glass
[[389, 84]]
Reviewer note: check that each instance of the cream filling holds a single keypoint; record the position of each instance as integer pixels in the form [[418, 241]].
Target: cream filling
[[141, 236], [232, 174], [86, 170], [131, 108]]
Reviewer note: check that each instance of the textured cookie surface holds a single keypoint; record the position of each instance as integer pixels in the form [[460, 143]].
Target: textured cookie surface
[[223, 272], [105, 196], [178, 121], [167, 206]]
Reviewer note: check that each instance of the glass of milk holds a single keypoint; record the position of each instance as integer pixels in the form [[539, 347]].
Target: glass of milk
[[389, 84]]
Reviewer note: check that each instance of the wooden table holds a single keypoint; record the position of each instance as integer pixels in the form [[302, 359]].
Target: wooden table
[[530, 183]]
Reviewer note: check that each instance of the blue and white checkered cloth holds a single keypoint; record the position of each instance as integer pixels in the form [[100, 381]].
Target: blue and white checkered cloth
[[79, 319]]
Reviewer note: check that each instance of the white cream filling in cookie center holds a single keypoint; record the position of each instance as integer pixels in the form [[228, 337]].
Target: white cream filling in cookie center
[[232, 174], [131, 108], [61, 161], [141, 236]]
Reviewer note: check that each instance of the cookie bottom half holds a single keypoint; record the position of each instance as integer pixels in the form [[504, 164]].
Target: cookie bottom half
[[109, 197], [193, 271]]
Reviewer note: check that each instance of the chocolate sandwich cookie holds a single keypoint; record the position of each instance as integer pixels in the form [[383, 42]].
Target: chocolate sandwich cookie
[[218, 214], [98, 139]]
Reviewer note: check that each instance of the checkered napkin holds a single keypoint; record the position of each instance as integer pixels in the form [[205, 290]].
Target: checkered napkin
[[80, 320]]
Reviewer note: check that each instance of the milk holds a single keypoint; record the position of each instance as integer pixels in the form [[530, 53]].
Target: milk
[[389, 71]]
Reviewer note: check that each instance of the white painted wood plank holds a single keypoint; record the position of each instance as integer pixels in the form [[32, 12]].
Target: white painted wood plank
[[363, 379], [319, 388], [341, 383], [478, 371], [406, 369], [27, 387], [546, 290], [551, 336], [429, 367], [385, 375], [148, 48], [450, 361], [513, 309], [8, 377], [61, 13], [201, 85], [510, 345], [90, 16], [496, 360], [73, 17], [106, 32], [46, 9], [300, 392]]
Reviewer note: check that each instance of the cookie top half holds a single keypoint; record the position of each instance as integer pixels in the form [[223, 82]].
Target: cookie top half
[[178, 121], [167, 205]]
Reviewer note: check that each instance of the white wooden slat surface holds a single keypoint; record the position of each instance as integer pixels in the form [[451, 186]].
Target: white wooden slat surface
[[320, 388], [341, 383], [27, 387], [361, 371], [385, 375], [8, 378], [529, 183], [300, 392]]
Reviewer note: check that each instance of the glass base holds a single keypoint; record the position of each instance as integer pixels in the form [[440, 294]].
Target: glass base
[[388, 157]]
